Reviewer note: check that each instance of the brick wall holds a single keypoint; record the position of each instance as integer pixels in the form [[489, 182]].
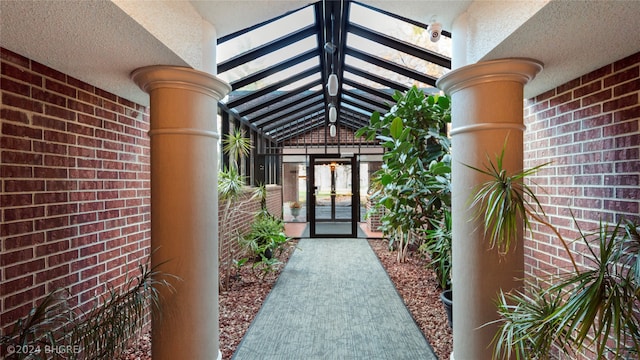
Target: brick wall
[[589, 128], [320, 136], [75, 186], [241, 217]]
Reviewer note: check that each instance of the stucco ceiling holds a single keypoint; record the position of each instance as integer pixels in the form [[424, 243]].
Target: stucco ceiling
[[230, 16], [97, 42]]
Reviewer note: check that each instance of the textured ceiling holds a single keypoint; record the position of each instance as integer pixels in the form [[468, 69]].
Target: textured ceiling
[[572, 38], [93, 41]]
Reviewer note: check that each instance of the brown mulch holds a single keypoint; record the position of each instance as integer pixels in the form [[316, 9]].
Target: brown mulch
[[240, 304], [418, 287]]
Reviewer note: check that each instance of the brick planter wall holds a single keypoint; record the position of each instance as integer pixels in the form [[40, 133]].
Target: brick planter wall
[[241, 217], [75, 187]]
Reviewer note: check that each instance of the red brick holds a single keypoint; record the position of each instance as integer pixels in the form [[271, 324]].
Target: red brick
[[16, 285], [81, 107], [23, 241], [627, 114], [107, 95], [52, 273], [16, 87], [597, 74], [622, 76], [15, 58], [64, 233], [14, 115], [24, 213], [24, 185], [80, 84], [90, 120], [621, 128], [47, 71], [49, 97], [21, 297], [59, 112], [626, 62], [10, 171], [587, 89], [20, 74], [89, 98], [21, 269]]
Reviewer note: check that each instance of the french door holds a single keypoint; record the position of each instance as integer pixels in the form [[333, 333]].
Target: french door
[[333, 196]]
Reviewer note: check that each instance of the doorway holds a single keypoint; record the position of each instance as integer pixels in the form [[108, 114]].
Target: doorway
[[332, 196]]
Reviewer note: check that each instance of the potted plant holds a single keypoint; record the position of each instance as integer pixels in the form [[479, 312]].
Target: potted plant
[[295, 209]]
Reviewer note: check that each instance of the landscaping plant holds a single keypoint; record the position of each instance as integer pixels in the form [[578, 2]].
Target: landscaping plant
[[265, 242], [54, 330], [231, 184], [594, 306], [414, 181]]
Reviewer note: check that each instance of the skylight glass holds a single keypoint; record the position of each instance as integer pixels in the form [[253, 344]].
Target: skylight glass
[[270, 59], [398, 29], [394, 56], [281, 75], [264, 34], [384, 73]]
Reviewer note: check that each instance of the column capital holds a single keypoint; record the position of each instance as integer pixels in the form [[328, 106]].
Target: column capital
[[520, 70], [154, 77]]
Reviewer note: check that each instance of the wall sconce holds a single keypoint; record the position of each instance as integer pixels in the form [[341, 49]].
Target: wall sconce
[[332, 130]]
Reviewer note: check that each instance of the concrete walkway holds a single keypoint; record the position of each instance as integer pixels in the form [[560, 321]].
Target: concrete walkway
[[334, 300]]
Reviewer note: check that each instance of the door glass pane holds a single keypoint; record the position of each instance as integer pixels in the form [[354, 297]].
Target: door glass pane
[[333, 197]]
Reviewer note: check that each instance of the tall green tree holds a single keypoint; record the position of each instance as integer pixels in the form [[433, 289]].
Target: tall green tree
[[414, 181]]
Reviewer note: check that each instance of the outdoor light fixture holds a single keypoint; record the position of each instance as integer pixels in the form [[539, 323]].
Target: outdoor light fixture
[[332, 84], [332, 130], [333, 113]]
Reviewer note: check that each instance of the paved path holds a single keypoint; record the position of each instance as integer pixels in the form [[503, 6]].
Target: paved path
[[334, 300]]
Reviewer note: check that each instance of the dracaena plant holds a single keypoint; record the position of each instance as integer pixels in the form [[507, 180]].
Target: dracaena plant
[[103, 332], [594, 307]]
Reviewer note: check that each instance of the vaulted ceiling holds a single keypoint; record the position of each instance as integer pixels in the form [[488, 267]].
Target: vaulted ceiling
[[278, 69]]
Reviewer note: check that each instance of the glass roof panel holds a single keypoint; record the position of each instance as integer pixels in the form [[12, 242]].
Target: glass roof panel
[[281, 75], [275, 93], [395, 56], [398, 29], [265, 34], [384, 73], [270, 59], [363, 81]]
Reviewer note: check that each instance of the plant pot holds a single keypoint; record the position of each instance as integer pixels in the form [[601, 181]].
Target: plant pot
[[295, 212], [447, 300]]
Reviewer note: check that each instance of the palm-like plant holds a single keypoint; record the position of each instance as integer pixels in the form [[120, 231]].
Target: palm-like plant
[[501, 202], [101, 333], [596, 306], [237, 146], [231, 185]]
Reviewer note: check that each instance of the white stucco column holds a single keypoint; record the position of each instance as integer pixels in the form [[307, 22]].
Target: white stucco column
[[184, 207], [487, 108]]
